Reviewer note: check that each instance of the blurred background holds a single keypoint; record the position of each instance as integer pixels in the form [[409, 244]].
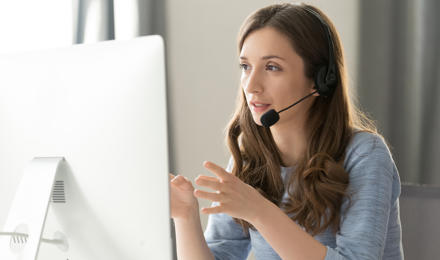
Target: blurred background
[[391, 51]]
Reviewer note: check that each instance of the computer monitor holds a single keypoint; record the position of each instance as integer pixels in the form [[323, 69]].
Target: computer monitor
[[92, 120]]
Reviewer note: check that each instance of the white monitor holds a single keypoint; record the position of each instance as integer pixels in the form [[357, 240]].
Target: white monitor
[[101, 107]]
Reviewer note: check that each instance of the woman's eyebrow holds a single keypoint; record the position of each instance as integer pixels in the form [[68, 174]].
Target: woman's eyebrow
[[267, 57], [272, 57]]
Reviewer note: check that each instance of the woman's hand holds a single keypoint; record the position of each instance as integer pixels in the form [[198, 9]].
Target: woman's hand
[[183, 203], [235, 198]]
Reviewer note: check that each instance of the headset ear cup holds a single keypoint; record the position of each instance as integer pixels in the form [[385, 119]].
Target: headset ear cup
[[320, 83]]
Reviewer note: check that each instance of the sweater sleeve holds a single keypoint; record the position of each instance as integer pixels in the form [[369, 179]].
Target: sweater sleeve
[[365, 216], [225, 237]]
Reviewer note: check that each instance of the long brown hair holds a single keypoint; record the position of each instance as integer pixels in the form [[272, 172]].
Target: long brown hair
[[318, 185]]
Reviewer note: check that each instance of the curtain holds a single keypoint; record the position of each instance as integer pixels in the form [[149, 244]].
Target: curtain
[[100, 20], [399, 80], [93, 21]]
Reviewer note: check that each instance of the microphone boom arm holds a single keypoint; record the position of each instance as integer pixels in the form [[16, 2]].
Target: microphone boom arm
[[316, 91]]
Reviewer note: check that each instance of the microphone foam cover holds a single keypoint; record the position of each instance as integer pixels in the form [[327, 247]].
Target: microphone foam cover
[[269, 118]]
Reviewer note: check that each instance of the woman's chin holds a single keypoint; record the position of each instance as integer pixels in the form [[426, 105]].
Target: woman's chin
[[257, 121]]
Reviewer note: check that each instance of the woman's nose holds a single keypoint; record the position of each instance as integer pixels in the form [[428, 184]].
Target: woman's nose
[[253, 83]]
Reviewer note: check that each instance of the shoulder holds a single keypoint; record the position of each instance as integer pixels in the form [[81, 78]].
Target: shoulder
[[367, 155], [363, 143], [369, 160], [367, 148]]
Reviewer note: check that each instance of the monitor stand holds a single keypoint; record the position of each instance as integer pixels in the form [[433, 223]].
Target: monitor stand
[[22, 233]]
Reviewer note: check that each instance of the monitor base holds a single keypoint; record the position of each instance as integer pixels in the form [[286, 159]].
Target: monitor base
[[25, 223]]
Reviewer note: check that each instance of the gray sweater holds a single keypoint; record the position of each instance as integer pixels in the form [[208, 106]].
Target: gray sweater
[[370, 228]]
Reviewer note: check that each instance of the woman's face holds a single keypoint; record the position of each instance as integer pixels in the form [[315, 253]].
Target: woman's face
[[273, 76]]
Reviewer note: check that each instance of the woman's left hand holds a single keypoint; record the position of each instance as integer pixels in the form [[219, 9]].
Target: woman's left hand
[[234, 197]]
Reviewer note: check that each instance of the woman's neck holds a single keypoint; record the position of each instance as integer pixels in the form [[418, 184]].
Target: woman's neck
[[290, 139]]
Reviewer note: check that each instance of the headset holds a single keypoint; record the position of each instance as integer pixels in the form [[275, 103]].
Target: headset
[[326, 77]]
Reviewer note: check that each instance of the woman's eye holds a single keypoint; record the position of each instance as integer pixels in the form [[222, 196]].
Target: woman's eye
[[244, 66], [273, 68]]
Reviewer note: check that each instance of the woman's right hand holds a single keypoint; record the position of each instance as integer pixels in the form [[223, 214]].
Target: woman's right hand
[[183, 203]]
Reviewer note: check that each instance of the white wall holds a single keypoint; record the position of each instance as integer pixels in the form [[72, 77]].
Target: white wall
[[203, 72]]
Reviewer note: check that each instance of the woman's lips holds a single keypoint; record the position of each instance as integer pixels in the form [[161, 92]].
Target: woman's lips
[[260, 108]]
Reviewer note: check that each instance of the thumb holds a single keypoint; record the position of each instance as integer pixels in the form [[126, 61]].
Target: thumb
[[187, 184]]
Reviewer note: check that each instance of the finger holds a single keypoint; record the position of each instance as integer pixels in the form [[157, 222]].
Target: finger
[[207, 195], [178, 180], [209, 182], [211, 178], [182, 183], [171, 176], [217, 170], [212, 210]]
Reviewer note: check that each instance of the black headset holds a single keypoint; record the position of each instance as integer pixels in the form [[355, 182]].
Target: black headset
[[326, 78]]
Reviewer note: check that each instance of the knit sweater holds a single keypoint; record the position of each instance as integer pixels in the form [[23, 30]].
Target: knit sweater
[[370, 226]]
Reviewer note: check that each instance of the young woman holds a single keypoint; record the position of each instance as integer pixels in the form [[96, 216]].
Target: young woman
[[318, 184]]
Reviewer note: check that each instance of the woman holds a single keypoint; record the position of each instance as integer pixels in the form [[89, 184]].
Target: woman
[[318, 184]]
